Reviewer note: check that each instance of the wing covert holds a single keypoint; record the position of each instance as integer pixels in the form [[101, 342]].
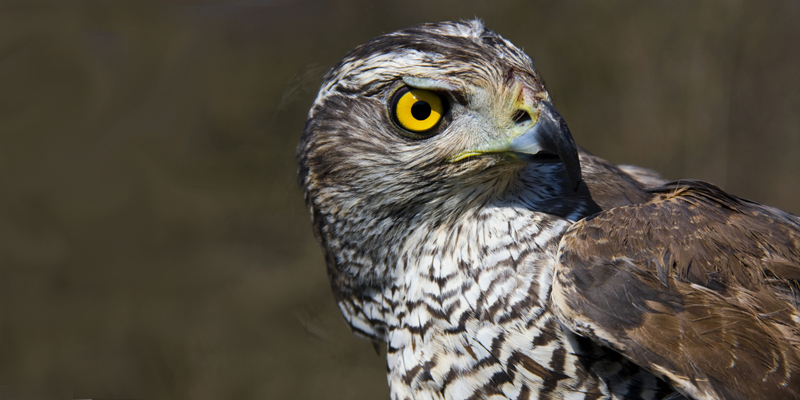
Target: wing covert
[[700, 287]]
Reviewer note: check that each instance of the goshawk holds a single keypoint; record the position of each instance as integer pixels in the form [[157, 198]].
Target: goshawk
[[463, 228]]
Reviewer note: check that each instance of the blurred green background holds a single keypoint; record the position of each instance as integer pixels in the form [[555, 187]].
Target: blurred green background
[[154, 243]]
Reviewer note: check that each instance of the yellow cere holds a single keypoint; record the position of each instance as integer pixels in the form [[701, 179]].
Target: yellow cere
[[419, 110]]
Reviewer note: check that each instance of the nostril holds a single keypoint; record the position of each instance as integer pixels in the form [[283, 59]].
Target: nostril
[[521, 117]]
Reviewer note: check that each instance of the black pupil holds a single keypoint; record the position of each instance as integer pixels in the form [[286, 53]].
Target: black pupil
[[421, 110]]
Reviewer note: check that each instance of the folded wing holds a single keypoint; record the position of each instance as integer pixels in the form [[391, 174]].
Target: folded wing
[[697, 286]]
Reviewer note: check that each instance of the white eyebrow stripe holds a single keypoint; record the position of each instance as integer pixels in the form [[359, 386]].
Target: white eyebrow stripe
[[430, 84]]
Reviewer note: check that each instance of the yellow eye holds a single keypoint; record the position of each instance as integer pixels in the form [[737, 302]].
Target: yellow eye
[[417, 110]]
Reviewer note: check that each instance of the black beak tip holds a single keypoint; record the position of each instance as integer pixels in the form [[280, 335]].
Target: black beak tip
[[560, 138], [550, 141], [575, 178]]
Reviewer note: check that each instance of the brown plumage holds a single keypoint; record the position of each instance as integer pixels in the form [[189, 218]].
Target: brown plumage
[[696, 285]]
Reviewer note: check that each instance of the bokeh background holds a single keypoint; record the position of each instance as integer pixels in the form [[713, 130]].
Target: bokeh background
[[154, 243]]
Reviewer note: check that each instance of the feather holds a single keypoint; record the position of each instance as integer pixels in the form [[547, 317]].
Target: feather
[[718, 318]]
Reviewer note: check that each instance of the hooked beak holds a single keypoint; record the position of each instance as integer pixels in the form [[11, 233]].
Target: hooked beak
[[549, 140]]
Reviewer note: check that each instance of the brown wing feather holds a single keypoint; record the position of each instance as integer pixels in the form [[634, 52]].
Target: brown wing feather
[[608, 185], [697, 286]]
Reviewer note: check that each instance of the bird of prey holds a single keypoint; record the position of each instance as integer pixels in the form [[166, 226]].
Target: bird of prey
[[463, 228]]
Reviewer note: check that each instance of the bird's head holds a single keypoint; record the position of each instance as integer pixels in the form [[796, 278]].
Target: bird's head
[[429, 121], [433, 113]]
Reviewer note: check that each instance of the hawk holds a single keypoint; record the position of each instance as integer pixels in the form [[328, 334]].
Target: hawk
[[463, 228]]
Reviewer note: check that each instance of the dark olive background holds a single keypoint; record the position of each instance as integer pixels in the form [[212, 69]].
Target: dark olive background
[[154, 243]]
